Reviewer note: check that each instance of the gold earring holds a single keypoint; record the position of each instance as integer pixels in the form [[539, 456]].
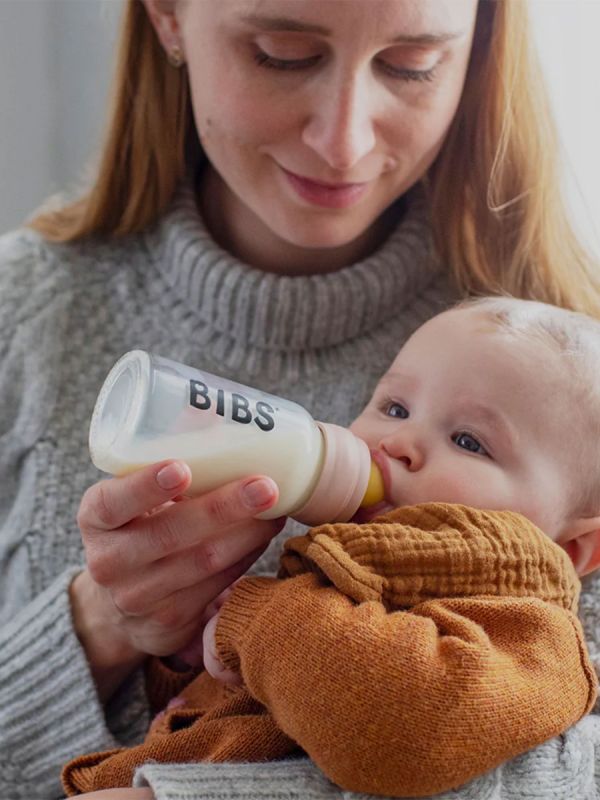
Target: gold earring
[[175, 57]]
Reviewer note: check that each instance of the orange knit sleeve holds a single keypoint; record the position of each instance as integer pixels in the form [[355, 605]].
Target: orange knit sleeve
[[406, 702]]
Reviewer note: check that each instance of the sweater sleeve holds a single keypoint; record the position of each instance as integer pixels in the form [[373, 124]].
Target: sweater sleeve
[[560, 769], [48, 704], [405, 703], [49, 709]]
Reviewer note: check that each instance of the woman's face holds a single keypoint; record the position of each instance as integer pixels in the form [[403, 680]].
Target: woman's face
[[317, 114]]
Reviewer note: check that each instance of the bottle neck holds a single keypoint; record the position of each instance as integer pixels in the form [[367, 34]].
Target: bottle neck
[[347, 473]]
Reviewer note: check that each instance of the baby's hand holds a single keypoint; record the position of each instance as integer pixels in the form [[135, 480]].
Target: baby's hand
[[211, 659], [204, 650]]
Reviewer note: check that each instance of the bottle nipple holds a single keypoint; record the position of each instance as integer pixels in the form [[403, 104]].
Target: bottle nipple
[[375, 492]]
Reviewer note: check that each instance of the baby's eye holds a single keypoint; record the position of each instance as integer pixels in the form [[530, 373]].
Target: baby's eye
[[470, 443], [396, 410]]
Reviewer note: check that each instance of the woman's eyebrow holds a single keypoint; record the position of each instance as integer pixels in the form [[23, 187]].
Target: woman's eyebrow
[[283, 24], [296, 26]]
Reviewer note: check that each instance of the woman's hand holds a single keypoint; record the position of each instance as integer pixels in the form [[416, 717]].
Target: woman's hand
[[156, 560]]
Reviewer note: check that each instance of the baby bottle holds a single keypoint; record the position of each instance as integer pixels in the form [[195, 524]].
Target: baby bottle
[[151, 408]]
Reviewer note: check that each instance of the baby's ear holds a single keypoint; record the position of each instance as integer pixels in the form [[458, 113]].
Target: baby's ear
[[581, 540]]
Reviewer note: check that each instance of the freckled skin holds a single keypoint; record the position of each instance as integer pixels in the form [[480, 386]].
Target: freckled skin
[[344, 119]]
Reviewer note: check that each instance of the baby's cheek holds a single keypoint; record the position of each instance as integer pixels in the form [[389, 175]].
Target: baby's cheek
[[365, 431], [453, 487], [546, 516]]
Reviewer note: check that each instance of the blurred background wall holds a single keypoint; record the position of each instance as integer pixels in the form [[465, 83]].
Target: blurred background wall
[[55, 67]]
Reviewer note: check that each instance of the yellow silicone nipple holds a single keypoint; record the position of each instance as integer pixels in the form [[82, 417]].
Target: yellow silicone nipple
[[375, 489]]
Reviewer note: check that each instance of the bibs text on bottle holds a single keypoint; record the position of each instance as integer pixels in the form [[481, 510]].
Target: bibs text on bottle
[[151, 408]]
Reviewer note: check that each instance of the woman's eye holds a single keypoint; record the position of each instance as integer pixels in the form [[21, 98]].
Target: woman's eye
[[404, 74], [265, 60], [396, 410], [408, 74], [470, 443]]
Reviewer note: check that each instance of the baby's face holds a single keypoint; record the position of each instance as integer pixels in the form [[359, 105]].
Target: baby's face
[[469, 414]]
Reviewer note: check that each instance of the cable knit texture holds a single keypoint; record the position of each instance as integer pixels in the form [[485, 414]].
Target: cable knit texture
[[67, 312], [381, 651]]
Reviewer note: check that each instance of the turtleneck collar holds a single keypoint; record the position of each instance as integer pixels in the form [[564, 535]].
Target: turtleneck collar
[[274, 311]]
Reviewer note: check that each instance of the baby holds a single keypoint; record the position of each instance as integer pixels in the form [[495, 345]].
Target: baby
[[435, 636]]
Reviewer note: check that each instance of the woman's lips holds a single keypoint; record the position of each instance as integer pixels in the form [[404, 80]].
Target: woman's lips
[[327, 195]]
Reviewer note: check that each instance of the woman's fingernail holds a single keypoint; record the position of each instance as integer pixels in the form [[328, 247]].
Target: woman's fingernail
[[171, 476], [258, 492]]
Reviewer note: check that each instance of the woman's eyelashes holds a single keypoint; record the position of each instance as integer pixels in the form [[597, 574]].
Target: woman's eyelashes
[[405, 74], [398, 73], [265, 60]]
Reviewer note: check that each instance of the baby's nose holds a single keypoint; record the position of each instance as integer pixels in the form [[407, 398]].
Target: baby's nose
[[403, 447]]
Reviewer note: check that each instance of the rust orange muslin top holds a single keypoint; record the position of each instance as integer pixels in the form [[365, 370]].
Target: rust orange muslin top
[[405, 657]]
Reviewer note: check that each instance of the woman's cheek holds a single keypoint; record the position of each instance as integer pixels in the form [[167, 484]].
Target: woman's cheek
[[229, 106], [256, 103]]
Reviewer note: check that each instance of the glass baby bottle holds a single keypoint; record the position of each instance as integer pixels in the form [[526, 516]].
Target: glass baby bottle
[[151, 408]]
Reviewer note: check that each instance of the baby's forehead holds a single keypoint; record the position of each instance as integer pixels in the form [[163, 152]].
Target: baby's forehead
[[465, 336], [464, 353]]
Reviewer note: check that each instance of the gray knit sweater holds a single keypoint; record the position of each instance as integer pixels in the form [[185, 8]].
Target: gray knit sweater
[[67, 312]]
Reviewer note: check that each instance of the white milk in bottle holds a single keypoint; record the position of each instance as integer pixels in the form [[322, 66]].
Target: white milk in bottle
[[151, 408]]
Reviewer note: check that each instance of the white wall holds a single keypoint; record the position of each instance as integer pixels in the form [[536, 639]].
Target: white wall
[[566, 33], [55, 65]]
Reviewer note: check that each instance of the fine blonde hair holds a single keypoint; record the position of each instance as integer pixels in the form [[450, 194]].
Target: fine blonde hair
[[572, 340], [497, 212]]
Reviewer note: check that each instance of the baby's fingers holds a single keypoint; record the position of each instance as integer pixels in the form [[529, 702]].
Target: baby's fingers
[[212, 663]]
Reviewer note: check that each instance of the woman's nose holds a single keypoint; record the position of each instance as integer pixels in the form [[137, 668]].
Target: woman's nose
[[341, 128], [403, 445]]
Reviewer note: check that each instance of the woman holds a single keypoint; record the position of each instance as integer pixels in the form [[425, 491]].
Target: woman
[[284, 194]]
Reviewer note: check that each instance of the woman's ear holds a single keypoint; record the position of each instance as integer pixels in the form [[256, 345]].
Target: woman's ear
[[581, 541], [164, 21]]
